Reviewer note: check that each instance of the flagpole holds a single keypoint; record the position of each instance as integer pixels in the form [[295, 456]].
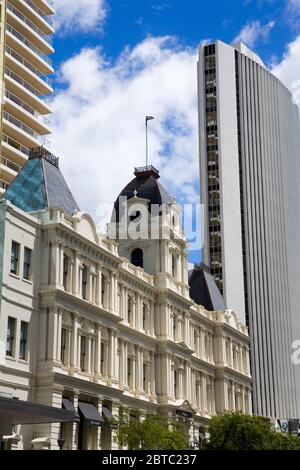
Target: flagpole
[[148, 118], [146, 142]]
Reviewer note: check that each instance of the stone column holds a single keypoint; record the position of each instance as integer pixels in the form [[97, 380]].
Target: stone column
[[233, 396], [116, 414], [75, 425], [58, 334], [202, 344], [98, 287], [211, 344], [52, 334], [125, 364], [152, 319], [61, 264], [152, 375], [76, 275], [74, 343], [55, 263], [204, 393], [137, 368], [97, 369], [43, 352], [99, 429]]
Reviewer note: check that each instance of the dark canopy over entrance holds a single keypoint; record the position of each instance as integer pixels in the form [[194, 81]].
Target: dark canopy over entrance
[[14, 411]]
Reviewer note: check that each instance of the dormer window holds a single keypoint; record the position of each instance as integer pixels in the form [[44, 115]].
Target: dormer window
[[137, 258]]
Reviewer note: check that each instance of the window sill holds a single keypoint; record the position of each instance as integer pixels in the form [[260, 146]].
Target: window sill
[[15, 276], [27, 281], [24, 361], [10, 358]]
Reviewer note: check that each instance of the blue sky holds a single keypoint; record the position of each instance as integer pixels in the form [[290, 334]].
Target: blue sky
[[128, 22], [119, 60]]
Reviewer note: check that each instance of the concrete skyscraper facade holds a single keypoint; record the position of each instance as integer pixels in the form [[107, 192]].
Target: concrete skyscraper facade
[[25, 46], [250, 172]]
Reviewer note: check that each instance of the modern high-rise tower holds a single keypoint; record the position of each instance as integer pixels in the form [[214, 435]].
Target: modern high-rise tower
[[25, 46], [250, 185]]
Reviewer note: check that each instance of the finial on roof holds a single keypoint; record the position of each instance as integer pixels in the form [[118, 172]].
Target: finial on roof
[[135, 193]]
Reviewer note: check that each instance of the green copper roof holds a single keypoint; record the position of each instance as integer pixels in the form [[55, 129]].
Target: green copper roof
[[40, 184]]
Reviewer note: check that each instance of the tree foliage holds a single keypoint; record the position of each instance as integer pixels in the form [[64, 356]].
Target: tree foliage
[[235, 431], [153, 433]]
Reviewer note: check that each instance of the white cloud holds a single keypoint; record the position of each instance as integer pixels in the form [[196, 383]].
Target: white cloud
[[288, 70], [98, 120], [294, 5], [253, 31], [79, 15]]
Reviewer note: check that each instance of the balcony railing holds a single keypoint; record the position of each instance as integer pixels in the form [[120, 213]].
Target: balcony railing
[[19, 102], [4, 185], [48, 19], [10, 164], [29, 44], [28, 65], [26, 107], [24, 83], [29, 23], [13, 143], [28, 130]]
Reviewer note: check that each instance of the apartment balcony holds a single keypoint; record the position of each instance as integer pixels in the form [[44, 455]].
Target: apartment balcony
[[25, 91], [21, 23], [26, 71], [20, 132], [28, 50], [34, 14], [25, 113], [3, 186], [47, 6], [14, 151], [9, 170]]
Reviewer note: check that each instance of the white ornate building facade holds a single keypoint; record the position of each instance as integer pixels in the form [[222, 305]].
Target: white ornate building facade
[[81, 327]]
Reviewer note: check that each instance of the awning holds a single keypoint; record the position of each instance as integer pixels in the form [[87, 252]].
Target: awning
[[111, 419], [90, 414], [13, 411], [68, 405], [107, 413]]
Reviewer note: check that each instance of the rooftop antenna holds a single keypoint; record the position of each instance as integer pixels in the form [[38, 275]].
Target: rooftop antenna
[[148, 118]]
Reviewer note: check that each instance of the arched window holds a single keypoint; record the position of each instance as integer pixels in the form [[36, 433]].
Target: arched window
[[137, 257]]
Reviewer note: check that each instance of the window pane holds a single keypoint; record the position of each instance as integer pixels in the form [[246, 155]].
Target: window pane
[[14, 257], [27, 263], [10, 336], [23, 340]]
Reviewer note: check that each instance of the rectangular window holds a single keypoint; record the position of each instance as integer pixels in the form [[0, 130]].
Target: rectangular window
[[84, 282], [10, 336], [129, 311], [102, 290], [66, 271], [63, 345], [129, 372], [102, 359], [144, 317], [82, 353], [175, 384], [23, 340], [145, 377], [14, 262], [27, 264]]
